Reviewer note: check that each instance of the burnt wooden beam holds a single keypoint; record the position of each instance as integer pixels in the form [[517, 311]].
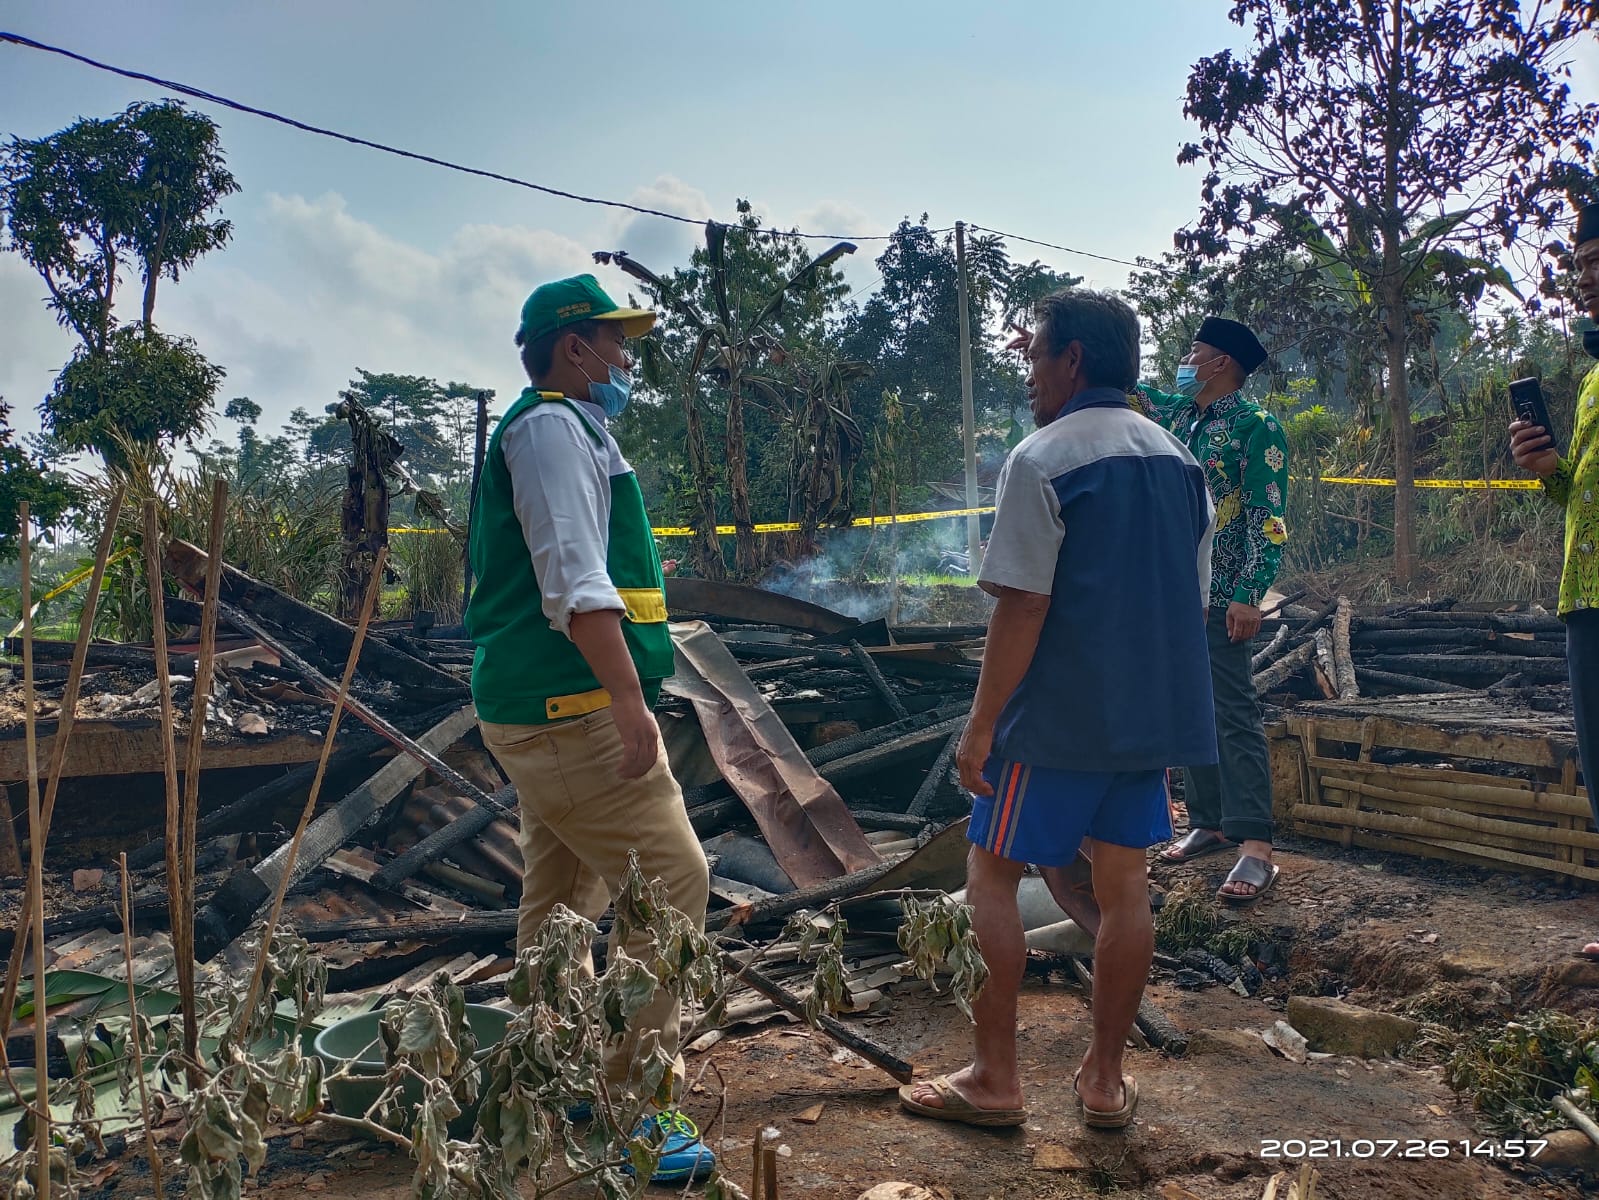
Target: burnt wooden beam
[[246, 892], [330, 637]]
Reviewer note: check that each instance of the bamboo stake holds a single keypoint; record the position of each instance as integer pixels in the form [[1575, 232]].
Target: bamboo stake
[[373, 588], [36, 840], [169, 750], [135, 1038], [203, 671], [58, 748]]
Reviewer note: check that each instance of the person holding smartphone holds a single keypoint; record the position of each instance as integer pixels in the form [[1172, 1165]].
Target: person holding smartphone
[[1571, 480]]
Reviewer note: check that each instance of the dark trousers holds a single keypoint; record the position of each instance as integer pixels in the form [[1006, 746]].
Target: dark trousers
[[1234, 796], [1582, 660]]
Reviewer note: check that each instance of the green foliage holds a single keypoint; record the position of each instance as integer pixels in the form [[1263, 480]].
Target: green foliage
[[1191, 919], [430, 569], [144, 388], [1512, 1074], [281, 529], [137, 188], [47, 493], [937, 933]]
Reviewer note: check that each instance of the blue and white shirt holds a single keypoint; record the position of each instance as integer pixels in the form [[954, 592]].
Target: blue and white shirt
[[1109, 516]]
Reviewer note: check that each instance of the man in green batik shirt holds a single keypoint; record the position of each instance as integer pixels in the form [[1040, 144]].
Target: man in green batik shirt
[[1245, 457], [1572, 481]]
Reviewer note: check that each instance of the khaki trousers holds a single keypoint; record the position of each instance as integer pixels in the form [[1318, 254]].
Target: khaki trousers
[[579, 821]]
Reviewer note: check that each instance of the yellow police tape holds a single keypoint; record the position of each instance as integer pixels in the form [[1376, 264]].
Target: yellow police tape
[[665, 531], [1497, 485], [70, 582]]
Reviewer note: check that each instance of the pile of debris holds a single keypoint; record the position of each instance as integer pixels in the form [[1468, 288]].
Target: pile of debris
[[1438, 648]]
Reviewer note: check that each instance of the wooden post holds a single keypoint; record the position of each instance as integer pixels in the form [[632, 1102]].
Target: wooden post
[[177, 915], [203, 672], [36, 840], [974, 540]]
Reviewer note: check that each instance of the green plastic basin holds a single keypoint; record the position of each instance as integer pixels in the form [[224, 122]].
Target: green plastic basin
[[356, 1039]]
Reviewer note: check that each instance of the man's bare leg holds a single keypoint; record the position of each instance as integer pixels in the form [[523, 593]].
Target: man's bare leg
[[1122, 956], [1073, 889], [992, 1080]]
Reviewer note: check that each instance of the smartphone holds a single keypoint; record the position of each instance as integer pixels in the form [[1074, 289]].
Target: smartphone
[[1526, 397]]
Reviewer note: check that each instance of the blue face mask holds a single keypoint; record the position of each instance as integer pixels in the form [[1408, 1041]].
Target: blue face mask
[[612, 397], [1188, 382]]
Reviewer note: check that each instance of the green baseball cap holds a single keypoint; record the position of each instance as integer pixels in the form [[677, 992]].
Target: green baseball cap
[[568, 301]]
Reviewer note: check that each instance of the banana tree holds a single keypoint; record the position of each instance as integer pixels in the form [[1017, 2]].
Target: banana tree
[[727, 345]]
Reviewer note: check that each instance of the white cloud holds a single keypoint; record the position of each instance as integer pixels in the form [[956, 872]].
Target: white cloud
[[657, 243]]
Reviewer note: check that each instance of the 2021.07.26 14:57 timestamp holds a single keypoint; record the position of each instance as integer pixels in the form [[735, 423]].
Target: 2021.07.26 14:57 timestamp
[[1399, 1148]]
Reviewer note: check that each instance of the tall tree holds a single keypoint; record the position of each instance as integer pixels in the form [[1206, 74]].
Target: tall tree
[[1403, 143], [138, 190], [741, 332]]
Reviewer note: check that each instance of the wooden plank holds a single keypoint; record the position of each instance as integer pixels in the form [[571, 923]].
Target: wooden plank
[[1533, 748], [119, 748]]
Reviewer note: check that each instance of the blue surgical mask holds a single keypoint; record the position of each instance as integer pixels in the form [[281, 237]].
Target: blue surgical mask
[[1189, 383], [612, 397]]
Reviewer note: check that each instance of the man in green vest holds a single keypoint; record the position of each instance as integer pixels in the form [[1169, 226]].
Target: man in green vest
[[569, 617]]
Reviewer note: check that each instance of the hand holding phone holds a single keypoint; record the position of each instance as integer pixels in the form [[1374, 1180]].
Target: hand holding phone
[[1532, 442]]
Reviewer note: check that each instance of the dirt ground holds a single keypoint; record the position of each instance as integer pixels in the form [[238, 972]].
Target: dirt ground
[[1353, 923]]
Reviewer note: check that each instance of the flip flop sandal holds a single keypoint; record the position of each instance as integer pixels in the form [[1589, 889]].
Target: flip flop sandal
[[1196, 843], [958, 1108], [1251, 870], [1121, 1118]]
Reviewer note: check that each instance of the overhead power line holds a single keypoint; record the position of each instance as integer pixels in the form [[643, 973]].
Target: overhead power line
[[208, 97], [1016, 237]]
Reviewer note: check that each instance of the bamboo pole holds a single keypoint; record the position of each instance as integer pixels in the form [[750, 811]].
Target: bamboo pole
[[1427, 833], [169, 751], [1446, 829], [1442, 784], [58, 747], [36, 841], [135, 1038], [1536, 834], [373, 588], [203, 671]]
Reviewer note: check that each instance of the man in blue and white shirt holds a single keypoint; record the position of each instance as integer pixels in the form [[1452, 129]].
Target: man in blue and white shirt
[[1095, 679]]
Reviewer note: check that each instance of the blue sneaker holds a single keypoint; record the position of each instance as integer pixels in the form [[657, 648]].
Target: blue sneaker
[[683, 1154]]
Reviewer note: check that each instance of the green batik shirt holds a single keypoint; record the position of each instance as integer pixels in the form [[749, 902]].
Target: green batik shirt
[[1575, 487], [1245, 456]]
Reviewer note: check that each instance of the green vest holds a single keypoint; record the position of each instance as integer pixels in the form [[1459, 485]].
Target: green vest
[[524, 672]]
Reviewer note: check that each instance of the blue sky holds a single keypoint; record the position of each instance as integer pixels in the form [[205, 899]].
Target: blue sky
[[1059, 121]]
